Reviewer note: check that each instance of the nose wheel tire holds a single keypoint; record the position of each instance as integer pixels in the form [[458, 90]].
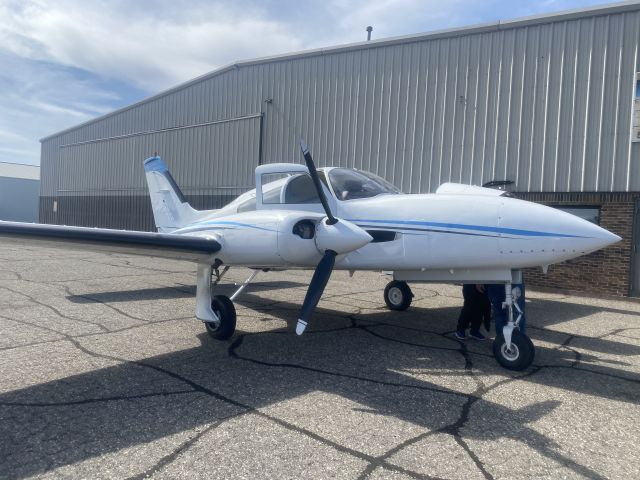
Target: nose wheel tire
[[226, 312], [519, 356], [398, 295]]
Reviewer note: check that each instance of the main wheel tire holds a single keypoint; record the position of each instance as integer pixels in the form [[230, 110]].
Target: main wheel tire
[[226, 312], [398, 295], [519, 356], [531, 347]]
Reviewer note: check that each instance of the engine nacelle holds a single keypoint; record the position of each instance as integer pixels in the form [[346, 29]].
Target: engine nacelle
[[296, 238]]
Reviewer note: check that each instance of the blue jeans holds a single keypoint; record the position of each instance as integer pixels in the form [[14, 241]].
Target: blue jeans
[[501, 317]]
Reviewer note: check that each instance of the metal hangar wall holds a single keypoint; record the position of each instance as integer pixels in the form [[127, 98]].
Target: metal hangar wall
[[547, 102], [19, 189]]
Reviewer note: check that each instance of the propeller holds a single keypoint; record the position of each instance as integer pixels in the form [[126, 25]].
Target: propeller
[[334, 237], [316, 182]]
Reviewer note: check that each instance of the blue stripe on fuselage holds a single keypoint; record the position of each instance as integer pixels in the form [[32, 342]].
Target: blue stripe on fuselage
[[207, 225], [480, 228]]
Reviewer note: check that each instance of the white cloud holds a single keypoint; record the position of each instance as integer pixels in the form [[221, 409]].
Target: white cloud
[[51, 108], [65, 61], [167, 43], [149, 49], [11, 136]]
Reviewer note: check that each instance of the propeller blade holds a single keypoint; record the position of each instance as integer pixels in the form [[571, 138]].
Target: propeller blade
[[316, 288], [316, 181]]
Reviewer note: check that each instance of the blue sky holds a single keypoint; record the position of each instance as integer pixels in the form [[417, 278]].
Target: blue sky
[[63, 62]]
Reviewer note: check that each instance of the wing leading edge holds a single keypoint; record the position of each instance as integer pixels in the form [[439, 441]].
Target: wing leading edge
[[164, 245]]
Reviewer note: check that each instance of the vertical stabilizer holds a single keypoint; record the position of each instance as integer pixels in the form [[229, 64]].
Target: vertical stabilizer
[[170, 207]]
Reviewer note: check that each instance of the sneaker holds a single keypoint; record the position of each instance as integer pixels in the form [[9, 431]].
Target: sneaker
[[477, 335], [461, 335]]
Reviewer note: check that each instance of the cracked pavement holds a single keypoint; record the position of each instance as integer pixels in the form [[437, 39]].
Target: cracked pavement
[[105, 373]]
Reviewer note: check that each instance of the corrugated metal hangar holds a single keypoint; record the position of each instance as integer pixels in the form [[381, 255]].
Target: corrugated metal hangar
[[551, 103]]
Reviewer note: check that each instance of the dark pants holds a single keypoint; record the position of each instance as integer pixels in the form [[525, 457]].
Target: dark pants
[[475, 310], [501, 317]]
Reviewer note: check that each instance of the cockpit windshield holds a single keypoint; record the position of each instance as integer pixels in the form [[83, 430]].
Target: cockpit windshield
[[351, 184]]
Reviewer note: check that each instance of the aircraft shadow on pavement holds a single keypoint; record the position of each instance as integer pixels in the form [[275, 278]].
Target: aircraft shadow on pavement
[[74, 419], [370, 361], [156, 293], [541, 313], [443, 319]]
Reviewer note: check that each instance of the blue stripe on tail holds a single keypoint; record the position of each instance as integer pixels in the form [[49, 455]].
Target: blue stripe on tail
[[155, 164]]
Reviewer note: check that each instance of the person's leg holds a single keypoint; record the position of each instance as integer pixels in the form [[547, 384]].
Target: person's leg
[[463, 319], [465, 314], [461, 327], [474, 331], [477, 317], [485, 307], [476, 303], [496, 297]]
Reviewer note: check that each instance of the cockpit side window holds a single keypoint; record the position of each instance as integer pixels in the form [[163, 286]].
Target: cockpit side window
[[300, 189], [290, 188], [351, 184]]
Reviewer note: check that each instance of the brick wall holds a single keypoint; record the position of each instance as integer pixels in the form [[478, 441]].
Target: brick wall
[[605, 272]]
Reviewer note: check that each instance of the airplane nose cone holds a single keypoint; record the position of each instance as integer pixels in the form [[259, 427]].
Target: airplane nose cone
[[587, 234], [546, 235], [607, 238]]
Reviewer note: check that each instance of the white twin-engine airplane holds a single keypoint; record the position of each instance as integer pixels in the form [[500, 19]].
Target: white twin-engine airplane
[[298, 217]]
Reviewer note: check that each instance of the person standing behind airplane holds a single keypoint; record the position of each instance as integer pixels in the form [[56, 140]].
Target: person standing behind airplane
[[475, 310]]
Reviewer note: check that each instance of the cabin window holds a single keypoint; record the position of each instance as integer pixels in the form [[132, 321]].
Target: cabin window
[[272, 184], [291, 189], [300, 189], [351, 184]]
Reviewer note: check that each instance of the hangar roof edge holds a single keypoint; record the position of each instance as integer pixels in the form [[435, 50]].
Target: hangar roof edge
[[598, 10], [19, 170]]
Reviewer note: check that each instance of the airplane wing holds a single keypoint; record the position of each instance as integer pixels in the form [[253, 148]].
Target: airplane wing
[[165, 245]]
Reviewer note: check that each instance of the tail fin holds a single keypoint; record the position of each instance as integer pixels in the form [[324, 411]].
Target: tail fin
[[170, 207]]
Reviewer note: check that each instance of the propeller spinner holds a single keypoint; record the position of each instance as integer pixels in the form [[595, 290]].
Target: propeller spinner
[[334, 237]]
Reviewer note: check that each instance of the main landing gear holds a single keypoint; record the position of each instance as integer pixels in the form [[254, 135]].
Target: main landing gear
[[398, 295], [224, 327], [216, 312]]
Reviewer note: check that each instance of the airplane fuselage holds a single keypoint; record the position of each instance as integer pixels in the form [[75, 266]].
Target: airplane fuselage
[[473, 229]]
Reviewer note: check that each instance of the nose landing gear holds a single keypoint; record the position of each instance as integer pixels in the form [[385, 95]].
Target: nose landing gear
[[516, 356], [512, 348]]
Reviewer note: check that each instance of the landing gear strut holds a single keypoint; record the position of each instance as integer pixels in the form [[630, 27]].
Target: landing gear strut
[[512, 348], [398, 295], [217, 313]]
